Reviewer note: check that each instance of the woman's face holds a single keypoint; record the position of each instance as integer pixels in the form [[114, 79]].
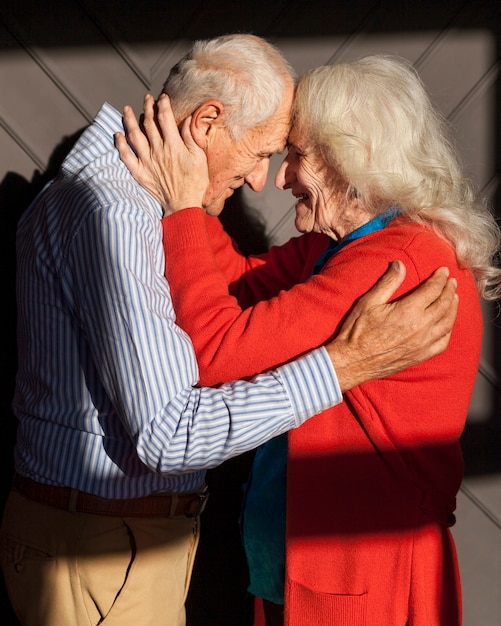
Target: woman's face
[[322, 204]]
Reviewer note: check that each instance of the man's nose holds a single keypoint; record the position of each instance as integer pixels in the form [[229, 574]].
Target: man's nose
[[257, 178]]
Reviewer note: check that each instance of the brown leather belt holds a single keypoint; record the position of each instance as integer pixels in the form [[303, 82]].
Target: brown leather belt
[[161, 505]]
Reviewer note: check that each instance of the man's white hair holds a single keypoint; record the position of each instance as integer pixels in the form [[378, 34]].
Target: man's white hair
[[246, 73]]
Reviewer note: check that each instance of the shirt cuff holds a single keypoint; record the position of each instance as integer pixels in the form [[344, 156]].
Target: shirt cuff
[[311, 384]]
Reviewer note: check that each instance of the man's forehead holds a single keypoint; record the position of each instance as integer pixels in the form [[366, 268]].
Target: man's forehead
[[274, 133], [278, 134], [281, 121]]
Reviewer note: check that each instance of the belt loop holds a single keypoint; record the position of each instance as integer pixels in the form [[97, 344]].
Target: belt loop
[[203, 496], [174, 501], [72, 503]]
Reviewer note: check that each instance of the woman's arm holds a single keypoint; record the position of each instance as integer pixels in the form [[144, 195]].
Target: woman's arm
[[259, 277]]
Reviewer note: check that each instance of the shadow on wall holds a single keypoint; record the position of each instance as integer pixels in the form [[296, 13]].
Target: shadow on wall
[[16, 193]]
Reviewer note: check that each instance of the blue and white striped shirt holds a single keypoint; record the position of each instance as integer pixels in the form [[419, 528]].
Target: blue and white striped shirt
[[106, 392]]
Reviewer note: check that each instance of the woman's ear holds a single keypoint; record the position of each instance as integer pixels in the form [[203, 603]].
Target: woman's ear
[[205, 121]]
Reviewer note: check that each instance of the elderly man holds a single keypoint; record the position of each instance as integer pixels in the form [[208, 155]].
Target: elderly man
[[114, 436]]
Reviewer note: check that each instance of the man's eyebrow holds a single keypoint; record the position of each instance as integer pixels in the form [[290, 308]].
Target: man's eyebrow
[[269, 154], [283, 147]]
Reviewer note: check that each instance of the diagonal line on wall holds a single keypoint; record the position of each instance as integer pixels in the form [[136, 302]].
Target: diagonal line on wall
[[22, 144], [114, 41], [480, 505], [32, 52]]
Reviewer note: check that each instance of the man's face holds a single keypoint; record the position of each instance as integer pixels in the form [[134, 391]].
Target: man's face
[[232, 164]]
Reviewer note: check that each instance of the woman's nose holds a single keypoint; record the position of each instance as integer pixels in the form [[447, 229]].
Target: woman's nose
[[280, 175]]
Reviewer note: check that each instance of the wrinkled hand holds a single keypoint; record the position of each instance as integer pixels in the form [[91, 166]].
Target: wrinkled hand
[[379, 339], [166, 162]]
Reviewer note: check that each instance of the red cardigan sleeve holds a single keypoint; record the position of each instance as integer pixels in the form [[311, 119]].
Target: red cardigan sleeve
[[260, 277], [232, 342]]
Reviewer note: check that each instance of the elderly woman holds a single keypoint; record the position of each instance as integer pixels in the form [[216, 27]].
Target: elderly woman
[[371, 484]]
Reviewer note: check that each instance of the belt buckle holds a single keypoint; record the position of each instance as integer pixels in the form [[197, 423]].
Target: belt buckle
[[203, 496]]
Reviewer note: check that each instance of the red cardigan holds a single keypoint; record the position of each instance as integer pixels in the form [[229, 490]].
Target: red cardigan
[[371, 482]]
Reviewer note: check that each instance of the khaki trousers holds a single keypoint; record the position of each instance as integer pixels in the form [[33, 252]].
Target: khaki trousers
[[74, 569]]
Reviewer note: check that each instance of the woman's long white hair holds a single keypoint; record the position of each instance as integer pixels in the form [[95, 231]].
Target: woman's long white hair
[[373, 120]]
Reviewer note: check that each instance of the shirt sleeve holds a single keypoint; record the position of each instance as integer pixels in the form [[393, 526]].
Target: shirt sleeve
[[147, 365]]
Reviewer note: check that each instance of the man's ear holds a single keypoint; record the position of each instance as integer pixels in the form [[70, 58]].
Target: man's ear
[[206, 120]]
